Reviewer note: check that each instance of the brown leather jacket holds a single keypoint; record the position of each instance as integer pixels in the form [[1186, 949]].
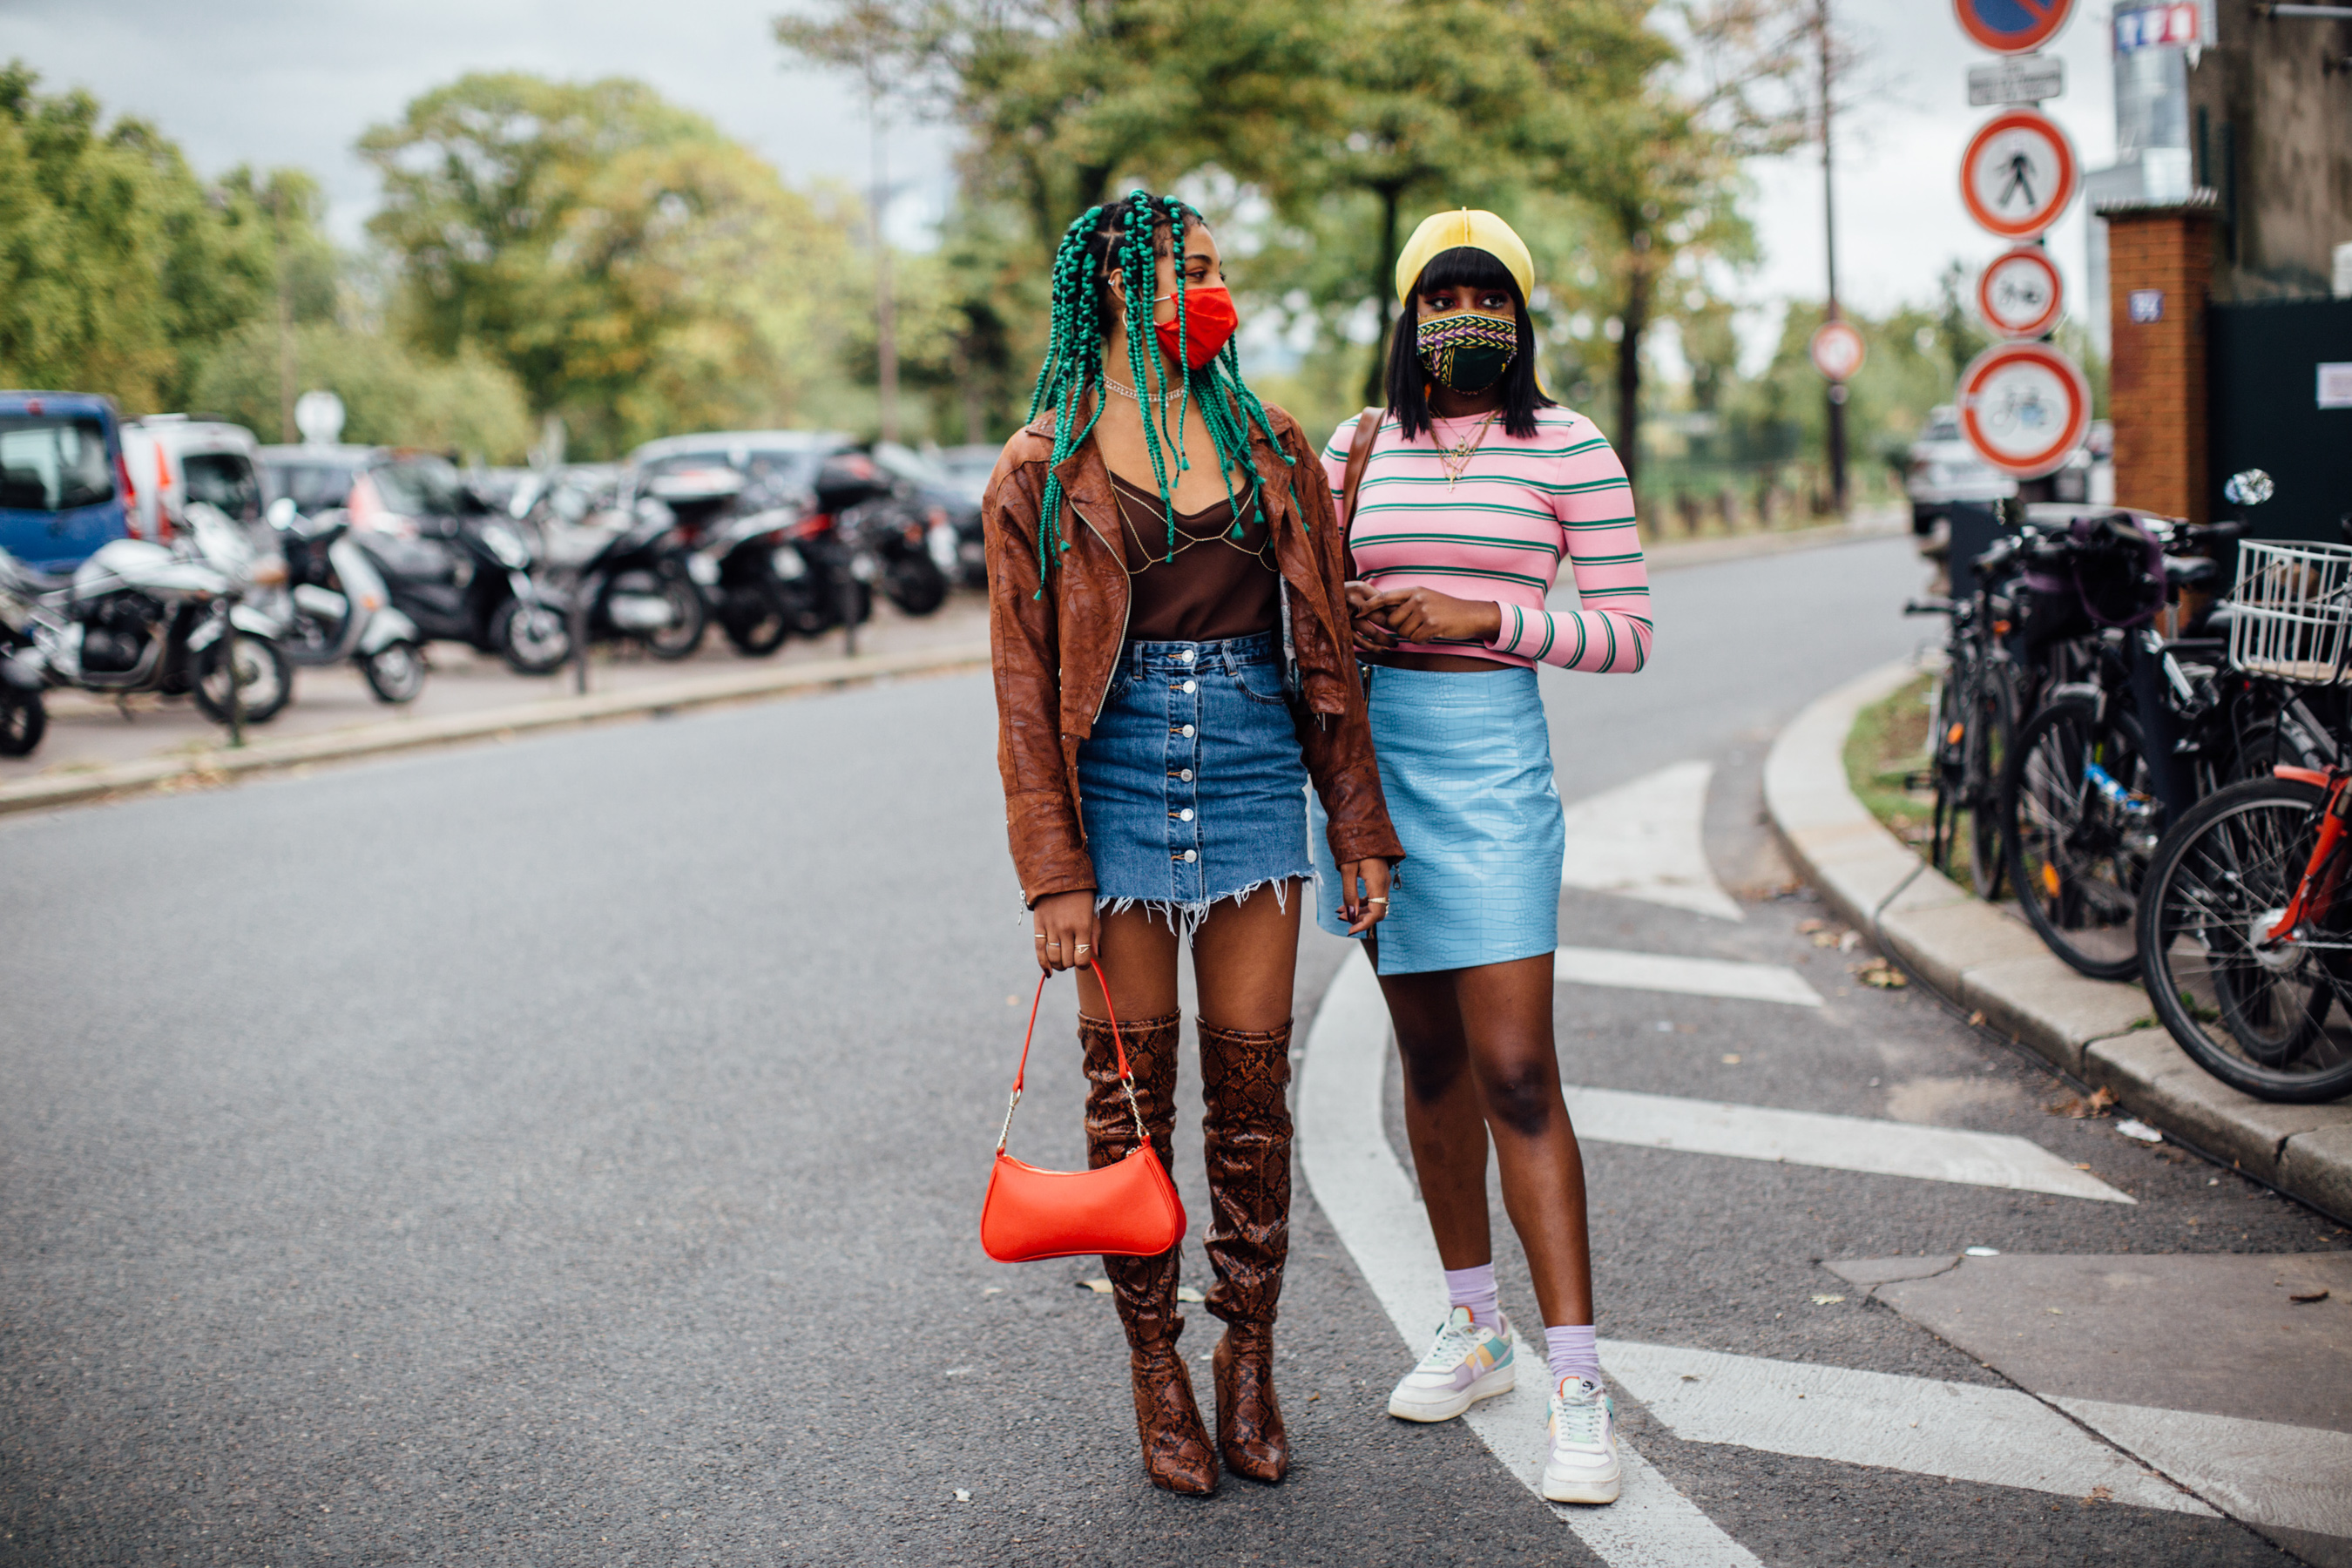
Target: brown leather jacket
[[1055, 654]]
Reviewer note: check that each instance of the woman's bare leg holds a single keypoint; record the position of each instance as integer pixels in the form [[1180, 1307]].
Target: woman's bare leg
[[1479, 1059]]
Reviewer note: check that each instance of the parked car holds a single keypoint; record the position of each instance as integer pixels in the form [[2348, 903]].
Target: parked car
[[63, 491], [315, 476], [1942, 468], [174, 459], [951, 510], [968, 468]]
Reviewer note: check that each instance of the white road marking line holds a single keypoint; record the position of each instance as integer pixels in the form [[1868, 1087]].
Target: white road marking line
[[2296, 1477], [1998, 1436], [1691, 976], [1364, 1192], [1641, 840], [1830, 1142]]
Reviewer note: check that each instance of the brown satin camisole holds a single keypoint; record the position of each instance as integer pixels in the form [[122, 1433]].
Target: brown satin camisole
[[1217, 587]]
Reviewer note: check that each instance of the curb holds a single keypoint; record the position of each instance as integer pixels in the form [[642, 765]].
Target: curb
[[219, 766], [2096, 1032], [1665, 555]]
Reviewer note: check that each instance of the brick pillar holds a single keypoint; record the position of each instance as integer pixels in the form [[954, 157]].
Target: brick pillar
[[2159, 264]]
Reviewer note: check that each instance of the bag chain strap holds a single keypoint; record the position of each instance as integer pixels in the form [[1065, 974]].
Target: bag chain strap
[[1126, 1077]]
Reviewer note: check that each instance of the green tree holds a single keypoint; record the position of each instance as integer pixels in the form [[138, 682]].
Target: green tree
[[392, 394], [639, 272], [120, 271]]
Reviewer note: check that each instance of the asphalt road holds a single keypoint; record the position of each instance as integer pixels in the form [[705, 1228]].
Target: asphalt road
[[568, 1151]]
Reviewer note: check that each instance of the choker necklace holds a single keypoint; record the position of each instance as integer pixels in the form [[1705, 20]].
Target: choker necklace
[[1162, 398]]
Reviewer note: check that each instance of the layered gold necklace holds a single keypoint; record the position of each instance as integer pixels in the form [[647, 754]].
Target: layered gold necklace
[[1455, 460]]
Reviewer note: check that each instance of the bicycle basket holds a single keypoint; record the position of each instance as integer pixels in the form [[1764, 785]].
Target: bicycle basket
[[2292, 605]]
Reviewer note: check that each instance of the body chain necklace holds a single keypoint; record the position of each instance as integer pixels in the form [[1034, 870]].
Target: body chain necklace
[[1455, 460]]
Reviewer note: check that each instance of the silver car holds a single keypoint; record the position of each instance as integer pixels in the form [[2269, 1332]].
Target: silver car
[[1942, 468]]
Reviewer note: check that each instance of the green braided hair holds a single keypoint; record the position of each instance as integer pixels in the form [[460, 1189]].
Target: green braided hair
[[1123, 237]]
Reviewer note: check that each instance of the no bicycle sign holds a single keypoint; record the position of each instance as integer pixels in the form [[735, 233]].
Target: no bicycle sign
[[2012, 26]]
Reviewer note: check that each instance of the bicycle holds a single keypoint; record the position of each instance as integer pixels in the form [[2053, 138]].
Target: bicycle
[[2094, 775], [2245, 925]]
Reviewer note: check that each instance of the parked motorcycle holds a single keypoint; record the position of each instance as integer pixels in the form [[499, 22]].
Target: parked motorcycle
[[338, 606], [139, 616], [626, 573], [877, 522], [470, 579]]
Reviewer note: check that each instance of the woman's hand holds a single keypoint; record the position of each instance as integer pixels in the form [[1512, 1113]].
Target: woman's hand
[[1424, 615], [1066, 929], [1366, 907], [1371, 635]]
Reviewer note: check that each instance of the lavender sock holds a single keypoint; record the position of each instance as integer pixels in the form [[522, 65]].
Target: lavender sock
[[1572, 1352], [1475, 1288]]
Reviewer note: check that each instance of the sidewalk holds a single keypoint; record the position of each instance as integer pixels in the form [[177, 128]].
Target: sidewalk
[[95, 749], [2099, 1033]]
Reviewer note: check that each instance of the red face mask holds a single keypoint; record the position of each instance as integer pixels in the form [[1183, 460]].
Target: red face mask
[[1209, 323]]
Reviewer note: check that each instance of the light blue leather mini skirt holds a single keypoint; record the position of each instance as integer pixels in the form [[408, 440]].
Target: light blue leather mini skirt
[[1465, 762], [1192, 787]]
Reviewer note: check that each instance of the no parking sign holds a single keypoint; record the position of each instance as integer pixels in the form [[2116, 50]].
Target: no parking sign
[[2012, 26]]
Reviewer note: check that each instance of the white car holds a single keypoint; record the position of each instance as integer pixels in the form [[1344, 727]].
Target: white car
[[1942, 468]]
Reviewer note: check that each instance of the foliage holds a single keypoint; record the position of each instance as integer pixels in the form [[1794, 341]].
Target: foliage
[[639, 272], [392, 394], [120, 271]]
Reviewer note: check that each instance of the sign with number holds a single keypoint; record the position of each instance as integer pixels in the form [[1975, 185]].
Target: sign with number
[[2019, 173], [2169, 27], [2019, 295], [1838, 350], [2025, 79], [2012, 26], [2024, 408]]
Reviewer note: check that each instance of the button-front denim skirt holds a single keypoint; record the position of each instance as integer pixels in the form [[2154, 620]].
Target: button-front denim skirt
[[1192, 787], [1466, 763]]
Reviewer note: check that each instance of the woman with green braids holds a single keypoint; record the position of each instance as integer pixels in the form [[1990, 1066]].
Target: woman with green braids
[[1170, 638]]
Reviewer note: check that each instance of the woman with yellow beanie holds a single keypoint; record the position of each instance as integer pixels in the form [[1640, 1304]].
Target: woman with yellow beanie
[[1461, 500]]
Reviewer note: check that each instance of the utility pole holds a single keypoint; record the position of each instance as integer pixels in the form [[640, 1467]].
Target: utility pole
[[284, 318], [1829, 228], [886, 323]]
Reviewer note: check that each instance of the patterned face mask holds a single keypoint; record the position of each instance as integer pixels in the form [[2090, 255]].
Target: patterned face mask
[[1467, 350]]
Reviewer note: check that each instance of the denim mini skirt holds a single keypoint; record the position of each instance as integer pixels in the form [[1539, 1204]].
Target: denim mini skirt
[[1466, 763], [1192, 787]]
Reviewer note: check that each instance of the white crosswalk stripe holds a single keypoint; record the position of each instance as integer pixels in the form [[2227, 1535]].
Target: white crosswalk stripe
[[1830, 1142], [1969, 1432], [1626, 970], [1641, 841]]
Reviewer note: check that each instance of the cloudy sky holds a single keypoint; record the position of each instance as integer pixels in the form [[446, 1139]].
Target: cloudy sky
[[272, 81]]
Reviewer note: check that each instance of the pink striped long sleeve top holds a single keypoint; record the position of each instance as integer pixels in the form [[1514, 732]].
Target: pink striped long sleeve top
[[1520, 507]]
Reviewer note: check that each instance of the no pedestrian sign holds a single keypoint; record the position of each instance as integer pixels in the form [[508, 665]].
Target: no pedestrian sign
[[2019, 295], [2024, 408], [2019, 173], [2012, 26]]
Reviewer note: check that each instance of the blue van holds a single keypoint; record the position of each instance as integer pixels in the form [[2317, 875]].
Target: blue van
[[62, 482]]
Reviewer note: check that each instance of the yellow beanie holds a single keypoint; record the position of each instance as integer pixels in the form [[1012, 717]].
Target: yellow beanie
[[1441, 232]]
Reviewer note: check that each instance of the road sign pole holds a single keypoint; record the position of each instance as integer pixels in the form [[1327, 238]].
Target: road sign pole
[[1836, 392]]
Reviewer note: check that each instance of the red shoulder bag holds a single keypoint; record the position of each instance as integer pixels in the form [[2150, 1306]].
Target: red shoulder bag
[[1127, 1209]]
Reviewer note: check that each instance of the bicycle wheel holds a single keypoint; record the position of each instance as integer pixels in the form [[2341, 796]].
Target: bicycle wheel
[[2252, 1012], [2079, 820], [1989, 721]]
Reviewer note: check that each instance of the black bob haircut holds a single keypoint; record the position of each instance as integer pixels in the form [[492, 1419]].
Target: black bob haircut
[[1464, 267]]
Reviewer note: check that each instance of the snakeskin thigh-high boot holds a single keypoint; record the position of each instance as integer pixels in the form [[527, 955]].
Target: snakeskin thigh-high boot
[[1177, 1454], [1246, 1080]]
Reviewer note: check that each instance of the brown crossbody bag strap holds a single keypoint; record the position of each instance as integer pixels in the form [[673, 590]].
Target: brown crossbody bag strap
[[1359, 454]]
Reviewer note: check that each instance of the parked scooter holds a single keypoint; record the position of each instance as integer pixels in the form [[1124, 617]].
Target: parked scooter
[[339, 607], [471, 580], [626, 575], [875, 522], [137, 616]]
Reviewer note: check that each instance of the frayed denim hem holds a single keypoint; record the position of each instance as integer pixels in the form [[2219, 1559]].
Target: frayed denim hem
[[1185, 919]]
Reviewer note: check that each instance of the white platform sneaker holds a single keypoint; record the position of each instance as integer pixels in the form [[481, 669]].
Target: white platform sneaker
[[1583, 1464], [1467, 1365]]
